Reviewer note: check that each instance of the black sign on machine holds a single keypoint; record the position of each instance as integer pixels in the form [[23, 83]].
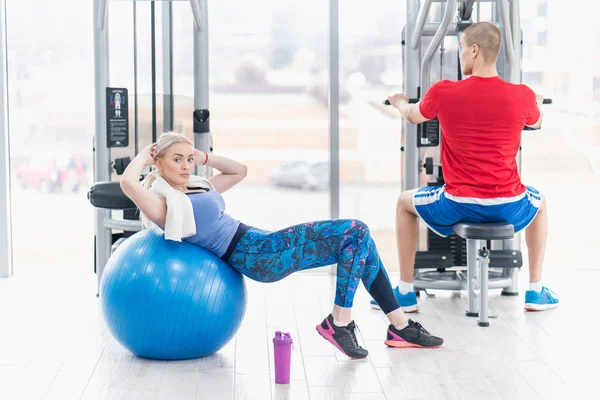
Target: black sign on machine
[[117, 117]]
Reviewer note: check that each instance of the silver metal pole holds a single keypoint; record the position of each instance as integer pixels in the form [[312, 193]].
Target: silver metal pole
[[473, 283], [167, 56], [201, 88], [511, 273], [100, 11], [449, 12], [411, 69], [136, 144], [334, 109], [6, 259], [124, 224], [507, 37], [484, 262], [197, 12], [101, 151], [431, 29], [517, 36], [420, 24], [514, 76]]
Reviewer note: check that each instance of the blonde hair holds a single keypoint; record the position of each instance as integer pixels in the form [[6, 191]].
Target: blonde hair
[[165, 141], [487, 36]]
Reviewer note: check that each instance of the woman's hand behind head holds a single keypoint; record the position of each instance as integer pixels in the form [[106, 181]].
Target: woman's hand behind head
[[200, 157], [149, 153]]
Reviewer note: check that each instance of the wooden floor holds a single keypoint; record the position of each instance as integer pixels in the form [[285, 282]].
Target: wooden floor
[[54, 345]]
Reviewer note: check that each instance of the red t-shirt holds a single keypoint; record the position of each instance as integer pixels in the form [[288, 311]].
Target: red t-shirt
[[481, 121]]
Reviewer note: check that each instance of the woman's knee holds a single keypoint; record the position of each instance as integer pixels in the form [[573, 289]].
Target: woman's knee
[[359, 228]]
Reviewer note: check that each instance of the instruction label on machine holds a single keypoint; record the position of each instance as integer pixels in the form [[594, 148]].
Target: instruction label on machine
[[117, 117]]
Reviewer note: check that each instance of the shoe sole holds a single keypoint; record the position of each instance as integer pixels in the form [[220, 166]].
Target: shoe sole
[[539, 307], [408, 309], [406, 345], [330, 339]]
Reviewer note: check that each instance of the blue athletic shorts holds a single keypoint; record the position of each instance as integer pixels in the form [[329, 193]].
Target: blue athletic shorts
[[441, 211]]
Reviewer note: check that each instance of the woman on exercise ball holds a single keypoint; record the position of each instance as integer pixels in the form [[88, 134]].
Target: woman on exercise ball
[[270, 256]]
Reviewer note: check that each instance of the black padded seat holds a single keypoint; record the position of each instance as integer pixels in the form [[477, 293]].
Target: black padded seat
[[110, 196], [485, 231]]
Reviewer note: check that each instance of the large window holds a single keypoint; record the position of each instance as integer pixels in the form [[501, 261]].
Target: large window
[[132, 52], [50, 59], [268, 104], [564, 156], [370, 71]]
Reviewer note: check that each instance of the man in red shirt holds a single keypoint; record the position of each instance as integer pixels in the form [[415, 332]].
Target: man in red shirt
[[481, 119]]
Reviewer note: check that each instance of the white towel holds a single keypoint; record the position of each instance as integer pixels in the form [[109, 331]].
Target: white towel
[[180, 221]]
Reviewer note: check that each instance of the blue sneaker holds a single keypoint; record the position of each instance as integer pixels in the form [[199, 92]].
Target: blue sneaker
[[544, 300], [408, 302]]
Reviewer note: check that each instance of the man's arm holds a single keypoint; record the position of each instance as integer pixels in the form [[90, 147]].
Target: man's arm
[[411, 113], [538, 100]]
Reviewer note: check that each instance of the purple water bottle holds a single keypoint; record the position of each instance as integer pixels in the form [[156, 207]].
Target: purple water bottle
[[282, 344]]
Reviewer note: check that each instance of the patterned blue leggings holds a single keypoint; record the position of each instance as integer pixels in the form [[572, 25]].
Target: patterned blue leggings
[[270, 256]]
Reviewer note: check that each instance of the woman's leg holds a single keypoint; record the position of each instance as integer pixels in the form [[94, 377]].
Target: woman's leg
[[381, 289], [271, 256], [402, 332]]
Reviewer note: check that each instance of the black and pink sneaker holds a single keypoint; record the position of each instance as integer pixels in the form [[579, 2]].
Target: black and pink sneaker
[[414, 335], [342, 337]]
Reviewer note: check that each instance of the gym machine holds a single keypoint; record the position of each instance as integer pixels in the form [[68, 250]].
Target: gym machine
[[477, 257], [112, 122]]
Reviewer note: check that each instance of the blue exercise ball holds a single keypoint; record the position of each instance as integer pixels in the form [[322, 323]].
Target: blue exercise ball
[[170, 300]]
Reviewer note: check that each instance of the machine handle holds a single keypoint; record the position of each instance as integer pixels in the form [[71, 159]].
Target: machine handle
[[527, 128], [387, 102], [412, 101]]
